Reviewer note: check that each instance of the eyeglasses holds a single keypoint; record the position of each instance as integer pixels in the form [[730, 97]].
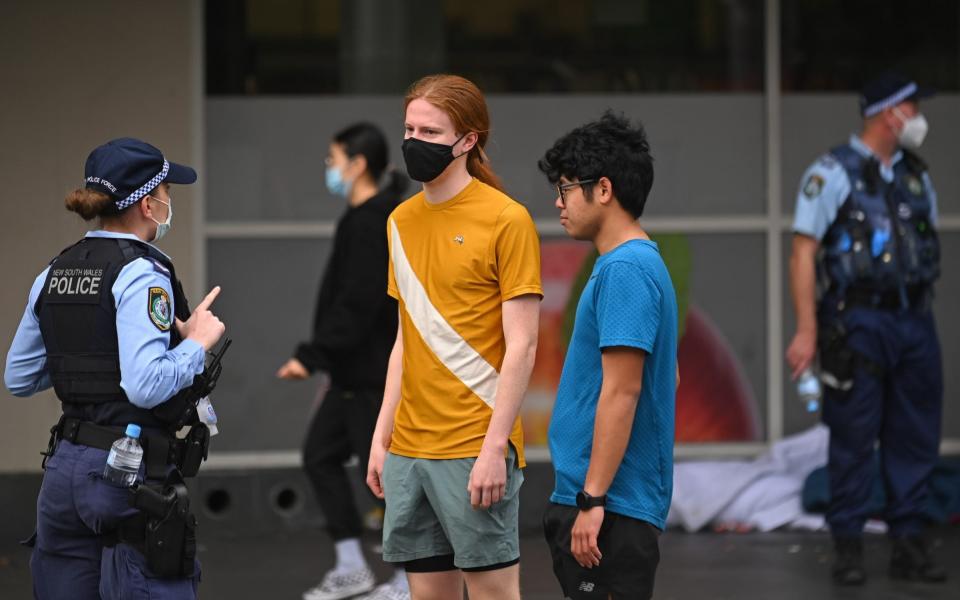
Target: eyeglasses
[[563, 187]]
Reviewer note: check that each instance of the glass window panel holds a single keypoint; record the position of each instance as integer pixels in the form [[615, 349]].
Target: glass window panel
[[528, 46], [722, 350], [839, 44], [728, 365]]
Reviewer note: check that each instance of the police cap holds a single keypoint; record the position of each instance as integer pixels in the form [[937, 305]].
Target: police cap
[[888, 90], [126, 169]]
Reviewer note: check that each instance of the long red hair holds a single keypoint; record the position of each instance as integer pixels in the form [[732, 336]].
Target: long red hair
[[463, 102]]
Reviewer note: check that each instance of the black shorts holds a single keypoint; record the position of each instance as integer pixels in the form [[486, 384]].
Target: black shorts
[[630, 556]]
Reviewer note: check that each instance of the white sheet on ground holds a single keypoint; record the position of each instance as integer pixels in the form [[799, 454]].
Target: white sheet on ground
[[761, 494]]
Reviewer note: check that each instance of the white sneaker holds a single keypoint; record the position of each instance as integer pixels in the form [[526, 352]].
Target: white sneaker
[[387, 591], [339, 585]]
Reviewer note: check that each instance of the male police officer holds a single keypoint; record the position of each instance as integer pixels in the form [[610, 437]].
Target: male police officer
[[866, 216]]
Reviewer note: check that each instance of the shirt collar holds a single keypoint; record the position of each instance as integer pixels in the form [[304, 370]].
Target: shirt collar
[[864, 150], [100, 233]]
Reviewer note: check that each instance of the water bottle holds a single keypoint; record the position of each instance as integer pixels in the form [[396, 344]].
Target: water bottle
[[808, 388], [123, 462]]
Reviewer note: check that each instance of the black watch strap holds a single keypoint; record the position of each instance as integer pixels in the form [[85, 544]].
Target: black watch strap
[[585, 501]]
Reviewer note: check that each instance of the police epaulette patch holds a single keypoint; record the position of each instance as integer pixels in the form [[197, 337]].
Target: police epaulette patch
[[158, 266], [158, 307], [828, 161]]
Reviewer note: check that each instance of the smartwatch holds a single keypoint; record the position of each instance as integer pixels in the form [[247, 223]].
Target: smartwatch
[[585, 501]]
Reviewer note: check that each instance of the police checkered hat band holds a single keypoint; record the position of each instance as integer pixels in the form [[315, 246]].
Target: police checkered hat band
[[142, 190], [894, 99]]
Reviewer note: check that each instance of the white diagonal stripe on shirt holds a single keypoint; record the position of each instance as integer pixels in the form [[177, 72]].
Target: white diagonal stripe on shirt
[[448, 345]]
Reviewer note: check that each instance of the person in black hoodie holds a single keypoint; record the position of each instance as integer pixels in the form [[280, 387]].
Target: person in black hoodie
[[355, 323]]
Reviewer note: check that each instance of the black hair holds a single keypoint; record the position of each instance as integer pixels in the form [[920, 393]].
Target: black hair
[[610, 147], [367, 140]]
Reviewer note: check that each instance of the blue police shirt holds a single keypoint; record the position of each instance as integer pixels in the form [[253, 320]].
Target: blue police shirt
[[825, 187], [151, 372], [628, 301]]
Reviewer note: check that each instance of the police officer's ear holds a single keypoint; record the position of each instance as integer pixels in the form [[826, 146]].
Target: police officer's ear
[[146, 209], [143, 207]]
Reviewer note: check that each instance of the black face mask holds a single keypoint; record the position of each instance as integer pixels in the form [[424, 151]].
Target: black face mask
[[427, 160]]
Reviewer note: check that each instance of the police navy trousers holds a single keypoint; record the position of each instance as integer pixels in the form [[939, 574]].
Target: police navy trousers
[[68, 560], [901, 408]]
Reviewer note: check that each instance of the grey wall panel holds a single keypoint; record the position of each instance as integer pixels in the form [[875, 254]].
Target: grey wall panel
[[265, 155], [813, 123], [708, 150], [60, 99], [269, 288]]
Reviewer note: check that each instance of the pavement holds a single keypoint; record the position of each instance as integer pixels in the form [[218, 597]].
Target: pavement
[[700, 566]]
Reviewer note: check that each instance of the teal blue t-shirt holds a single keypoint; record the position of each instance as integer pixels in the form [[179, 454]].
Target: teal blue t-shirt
[[628, 301]]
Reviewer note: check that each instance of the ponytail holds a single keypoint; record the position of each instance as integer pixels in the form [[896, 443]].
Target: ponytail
[[478, 165], [89, 204]]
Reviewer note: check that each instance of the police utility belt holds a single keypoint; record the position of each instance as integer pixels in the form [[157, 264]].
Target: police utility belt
[[164, 530], [159, 451], [914, 297]]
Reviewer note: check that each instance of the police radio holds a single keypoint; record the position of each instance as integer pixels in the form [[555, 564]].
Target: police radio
[[181, 410]]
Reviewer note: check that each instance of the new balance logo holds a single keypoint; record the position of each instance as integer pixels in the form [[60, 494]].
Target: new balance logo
[[586, 586]]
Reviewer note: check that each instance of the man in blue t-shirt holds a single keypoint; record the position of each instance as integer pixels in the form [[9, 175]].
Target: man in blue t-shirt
[[611, 434]]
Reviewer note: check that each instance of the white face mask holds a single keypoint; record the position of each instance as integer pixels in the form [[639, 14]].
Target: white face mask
[[164, 227], [914, 130]]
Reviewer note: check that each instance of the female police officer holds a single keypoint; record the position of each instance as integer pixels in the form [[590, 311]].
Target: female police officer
[[108, 328]]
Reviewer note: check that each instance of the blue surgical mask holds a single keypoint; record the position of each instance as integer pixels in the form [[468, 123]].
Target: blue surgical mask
[[164, 227], [336, 184]]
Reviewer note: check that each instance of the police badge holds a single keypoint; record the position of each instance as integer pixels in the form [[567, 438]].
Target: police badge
[[813, 187], [158, 307], [914, 185]]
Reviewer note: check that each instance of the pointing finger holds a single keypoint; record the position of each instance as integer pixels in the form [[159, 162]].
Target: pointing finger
[[208, 300]]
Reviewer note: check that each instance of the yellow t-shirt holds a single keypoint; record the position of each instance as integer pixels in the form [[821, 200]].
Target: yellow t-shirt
[[452, 265]]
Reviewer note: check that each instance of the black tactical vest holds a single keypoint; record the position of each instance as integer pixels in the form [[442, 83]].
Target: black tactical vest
[[78, 322], [882, 239]]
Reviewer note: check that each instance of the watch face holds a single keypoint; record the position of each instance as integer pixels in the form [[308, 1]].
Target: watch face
[[586, 501], [581, 499]]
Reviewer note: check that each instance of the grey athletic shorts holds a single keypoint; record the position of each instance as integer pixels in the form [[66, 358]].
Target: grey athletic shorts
[[428, 514]]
